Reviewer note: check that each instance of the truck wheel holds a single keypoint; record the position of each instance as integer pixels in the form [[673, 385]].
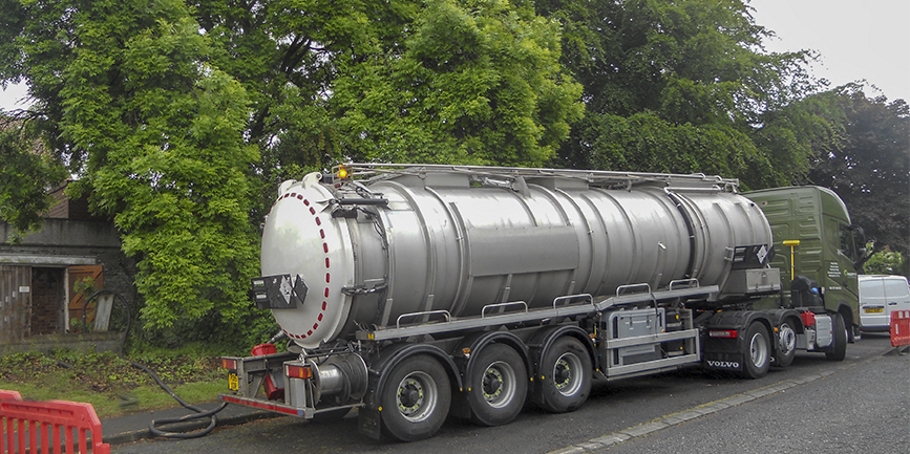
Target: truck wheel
[[756, 357], [838, 350], [786, 344], [500, 386], [415, 399], [565, 376]]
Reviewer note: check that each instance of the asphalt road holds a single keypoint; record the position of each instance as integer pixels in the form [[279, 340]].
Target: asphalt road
[[863, 409], [860, 404]]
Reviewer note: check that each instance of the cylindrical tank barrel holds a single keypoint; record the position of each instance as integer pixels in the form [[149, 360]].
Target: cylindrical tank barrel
[[445, 242]]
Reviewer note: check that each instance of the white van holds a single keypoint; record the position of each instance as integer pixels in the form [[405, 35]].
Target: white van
[[878, 297]]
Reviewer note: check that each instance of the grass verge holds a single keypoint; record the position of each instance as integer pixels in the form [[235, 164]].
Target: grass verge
[[111, 384]]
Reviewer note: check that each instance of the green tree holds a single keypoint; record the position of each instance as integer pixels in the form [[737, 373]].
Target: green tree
[[180, 119], [156, 135], [885, 262], [675, 86], [474, 82], [796, 135], [870, 169], [28, 171]]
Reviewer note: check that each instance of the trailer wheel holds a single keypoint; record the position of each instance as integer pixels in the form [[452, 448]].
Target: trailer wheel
[[565, 376], [838, 350], [786, 344], [415, 399], [756, 357], [500, 386]]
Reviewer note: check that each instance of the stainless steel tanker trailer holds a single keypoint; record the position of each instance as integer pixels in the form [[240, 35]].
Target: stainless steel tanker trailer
[[412, 292]]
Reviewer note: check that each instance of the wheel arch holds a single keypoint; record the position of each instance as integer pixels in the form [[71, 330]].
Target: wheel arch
[[542, 340], [477, 343], [740, 320], [846, 312], [397, 353]]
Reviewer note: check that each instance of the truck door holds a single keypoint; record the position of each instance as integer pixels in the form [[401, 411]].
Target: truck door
[[872, 304]]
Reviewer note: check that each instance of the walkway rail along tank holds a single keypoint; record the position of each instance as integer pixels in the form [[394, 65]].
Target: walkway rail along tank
[[412, 292]]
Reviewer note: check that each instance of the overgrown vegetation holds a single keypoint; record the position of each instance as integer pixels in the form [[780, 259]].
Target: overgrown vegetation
[[886, 262], [110, 383], [180, 118]]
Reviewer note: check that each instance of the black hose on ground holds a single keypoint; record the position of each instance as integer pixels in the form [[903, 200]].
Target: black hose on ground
[[200, 413]]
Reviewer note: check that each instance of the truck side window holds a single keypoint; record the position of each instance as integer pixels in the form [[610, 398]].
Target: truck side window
[[846, 242]]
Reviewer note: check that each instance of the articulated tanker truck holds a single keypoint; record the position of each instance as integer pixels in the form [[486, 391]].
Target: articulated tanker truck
[[411, 292]]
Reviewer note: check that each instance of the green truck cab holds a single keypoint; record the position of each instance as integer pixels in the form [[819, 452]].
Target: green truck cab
[[813, 237]]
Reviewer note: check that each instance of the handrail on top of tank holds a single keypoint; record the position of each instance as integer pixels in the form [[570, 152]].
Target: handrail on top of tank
[[684, 283], [644, 285], [591, 176], [448, 316], [483, 311], [585, 296]]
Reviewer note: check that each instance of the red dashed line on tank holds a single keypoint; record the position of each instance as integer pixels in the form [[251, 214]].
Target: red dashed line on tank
[[328, 276]]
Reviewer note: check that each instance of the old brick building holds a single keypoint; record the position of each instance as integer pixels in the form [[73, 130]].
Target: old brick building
[[43, 275]]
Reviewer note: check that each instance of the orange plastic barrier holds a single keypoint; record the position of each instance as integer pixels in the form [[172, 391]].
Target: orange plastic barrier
[[900, 328], [23, 423]]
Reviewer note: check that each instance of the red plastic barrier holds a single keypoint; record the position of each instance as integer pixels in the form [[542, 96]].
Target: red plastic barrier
[[900, 328], [22, 421]]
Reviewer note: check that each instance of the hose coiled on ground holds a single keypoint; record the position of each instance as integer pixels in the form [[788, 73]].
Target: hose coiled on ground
[[200, 413]]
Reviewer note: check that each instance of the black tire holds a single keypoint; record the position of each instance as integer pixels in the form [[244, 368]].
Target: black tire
[[415, 399], [852, 337], [756, 352], [786, 344], [565, 376], [499, 386], [838, 350]]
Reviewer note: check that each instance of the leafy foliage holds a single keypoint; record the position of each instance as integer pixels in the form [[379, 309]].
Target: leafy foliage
[[885, 262], [25, 177], [677, 86], [870, 170], [156, 133], [475, 82], [180, 118]]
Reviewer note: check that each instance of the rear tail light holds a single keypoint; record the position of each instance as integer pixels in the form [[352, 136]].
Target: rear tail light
[[723, 333], [229, 363], [298, 371]]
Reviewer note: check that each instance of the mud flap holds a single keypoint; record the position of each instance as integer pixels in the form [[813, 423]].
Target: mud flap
[[369, 421], [729, 362]]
